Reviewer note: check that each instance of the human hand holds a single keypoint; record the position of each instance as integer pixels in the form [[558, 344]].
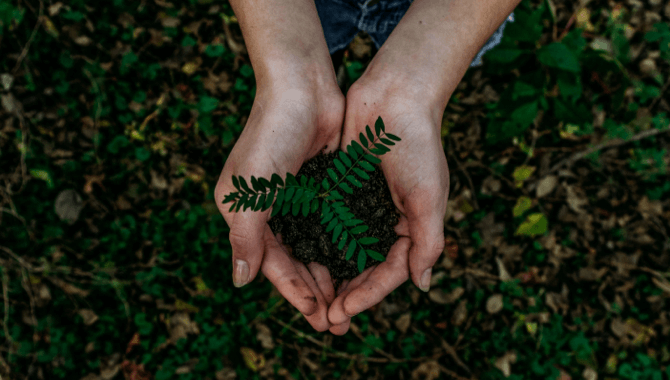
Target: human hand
[[288, 124], [418, 177]]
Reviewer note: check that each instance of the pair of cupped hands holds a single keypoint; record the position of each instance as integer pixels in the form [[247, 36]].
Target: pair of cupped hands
[[295, 119]]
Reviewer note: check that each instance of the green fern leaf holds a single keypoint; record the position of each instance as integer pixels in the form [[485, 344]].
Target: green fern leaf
[[276, 180], [393, 137], [375, 255], [325, 183], [230, 197], [244, 185], [372, 159], [346, 216], [264, 182], [367, 240], [332, 174], [345, 159], [361, 173], [382, 147], [239, 204], [331, 225], [275, 210], [343, 241], [352, 222], [232, 207], [295, 209], [290, 180], [289, 194], [371, 137], [361, 260], [325, 208], [305, 209], [285, 208], [311, 182], [236, 183], [297, 195], [379, 125], [352, 152], [354, 181], [365, 165], [243, 199], [327, 218], [336, 195], [363, 140], [359, 229], [261, 202], [340, 167], [315, 205], [303, 181], [268, 200], [345, 187], [256, 186], [280, 196], [357, 147], [351, 250], [387, 141], [336, 233]]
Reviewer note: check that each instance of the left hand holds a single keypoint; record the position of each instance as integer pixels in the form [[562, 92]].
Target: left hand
[[418, 177]]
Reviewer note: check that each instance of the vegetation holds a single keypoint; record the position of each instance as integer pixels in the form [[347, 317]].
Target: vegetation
[[116, 119]]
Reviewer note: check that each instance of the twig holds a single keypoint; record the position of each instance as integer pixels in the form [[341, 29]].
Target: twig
[[606, 145], [467, 176], [5, 297], [530, 154], [24, 52], [660, 95]]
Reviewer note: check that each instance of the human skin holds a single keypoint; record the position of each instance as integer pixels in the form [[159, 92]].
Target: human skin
[[408, 84]]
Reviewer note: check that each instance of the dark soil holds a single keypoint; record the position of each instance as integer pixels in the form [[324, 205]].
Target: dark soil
[[307, 238]]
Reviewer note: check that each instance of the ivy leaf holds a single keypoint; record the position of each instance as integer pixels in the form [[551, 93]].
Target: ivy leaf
[[367, 240], [361, 173], [393, 137], [359, 229], [345, 187], [332, 175], [276, 179], [336, 233], [352, 152], [339, 166], [363, 140], [361, 260], [236, 183], [535, 224], [351, 250], [371, 137], [375, 255], [345, 159]]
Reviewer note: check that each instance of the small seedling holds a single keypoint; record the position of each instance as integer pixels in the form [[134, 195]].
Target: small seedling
[[306, 196]]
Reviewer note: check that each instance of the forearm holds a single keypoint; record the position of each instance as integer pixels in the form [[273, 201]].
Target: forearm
[[285, 41], [432, 47]]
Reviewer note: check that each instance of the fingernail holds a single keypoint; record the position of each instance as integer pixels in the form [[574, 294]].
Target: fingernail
[[240, 273], [425, 280], [350, 316]]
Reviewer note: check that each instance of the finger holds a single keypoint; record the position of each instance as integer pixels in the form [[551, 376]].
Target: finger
[[318, 320], [426, 229], [386, 277], [279, 269], [341, 329], [246, 240], [402, 228], [336, 314], [323, 280]]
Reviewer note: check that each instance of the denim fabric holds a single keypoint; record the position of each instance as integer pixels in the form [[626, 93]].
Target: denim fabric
[[343, 19]]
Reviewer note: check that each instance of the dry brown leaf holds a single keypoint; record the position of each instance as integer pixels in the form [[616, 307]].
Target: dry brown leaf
[[460, 314], [68, 206], [576, 198], [264, 335], [89, 316], [504, 274], [439, 296], [429, 370], [504, 363], [546, 185], [403, 322], [494, 304]]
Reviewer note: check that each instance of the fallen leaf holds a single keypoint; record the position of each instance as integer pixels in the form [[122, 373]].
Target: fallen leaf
[[546, 186], [494, 304], [264, 335], [460, 314], [439, 296], [89, 316], [253, 360], [68, 206], [504, 274], [429, 370], [504, 363], [403, 322]]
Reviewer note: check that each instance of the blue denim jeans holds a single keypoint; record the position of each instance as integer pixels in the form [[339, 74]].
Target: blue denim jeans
[[343, 19]]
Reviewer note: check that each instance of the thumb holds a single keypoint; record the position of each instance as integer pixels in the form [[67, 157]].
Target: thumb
[[246, 239], [426, 230]]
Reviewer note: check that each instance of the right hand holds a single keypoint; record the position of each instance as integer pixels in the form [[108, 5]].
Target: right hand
[[288, 125]]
